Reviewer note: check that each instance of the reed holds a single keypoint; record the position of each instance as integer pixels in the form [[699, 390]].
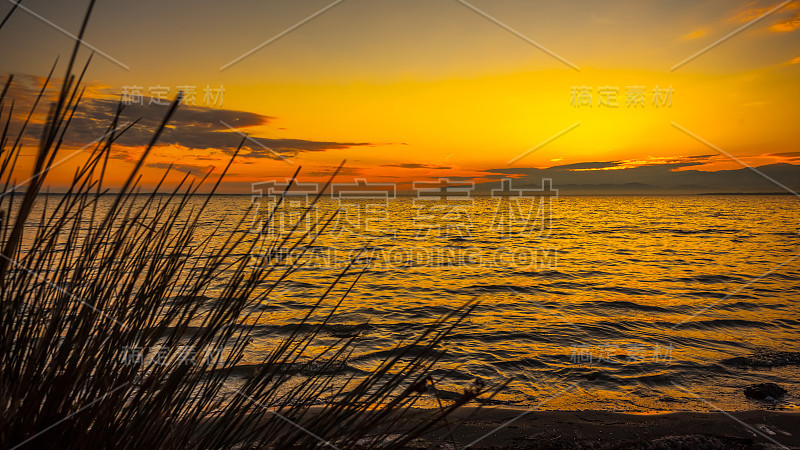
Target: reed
[[89, 275]]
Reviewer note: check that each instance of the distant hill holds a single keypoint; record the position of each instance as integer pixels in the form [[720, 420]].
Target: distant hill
[[653, 179]]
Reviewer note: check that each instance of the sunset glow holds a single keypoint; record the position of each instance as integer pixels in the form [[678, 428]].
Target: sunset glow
[[401, 224], [419, 91]]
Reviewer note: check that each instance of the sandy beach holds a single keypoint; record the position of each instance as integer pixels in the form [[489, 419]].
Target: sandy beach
[[611, 430]]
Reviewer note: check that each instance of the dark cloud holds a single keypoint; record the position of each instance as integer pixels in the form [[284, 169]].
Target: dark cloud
[[193, 127], [417, 166], [328, 171], [151, 114], [790, 155], [269, 147], [456, 179], [653, 178], [23, 88], [587, 165], [192, 169], [590, 167]]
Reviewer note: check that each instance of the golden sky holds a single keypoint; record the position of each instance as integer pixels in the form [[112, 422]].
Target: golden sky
[[414, 89]]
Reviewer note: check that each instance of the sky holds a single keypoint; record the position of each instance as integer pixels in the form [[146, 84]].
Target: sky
[[415, 90]]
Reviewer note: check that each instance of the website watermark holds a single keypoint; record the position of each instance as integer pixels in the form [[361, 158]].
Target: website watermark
[[441, 208], [616, 96], [630, 353], [162, 95], [168, 355]]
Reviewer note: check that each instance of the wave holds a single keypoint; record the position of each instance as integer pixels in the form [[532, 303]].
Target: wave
[[628, 290], [717, 295], [407, 350], [309, 369], [688, 232], [725, 323], [707, 279], [622, 304]]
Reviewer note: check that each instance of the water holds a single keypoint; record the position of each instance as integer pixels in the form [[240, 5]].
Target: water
[[617, 303], [626, 303]]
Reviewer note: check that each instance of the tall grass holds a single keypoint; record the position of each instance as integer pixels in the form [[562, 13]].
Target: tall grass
[[89, 275]]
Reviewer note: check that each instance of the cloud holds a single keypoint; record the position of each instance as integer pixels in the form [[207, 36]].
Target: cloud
[[587, 165], [23, 86], [786, 155], [789, 25], [459, 179], [289, 146], [329, 170], [695, 34], [193, 127], [795, 61], [191, 169], [417, 166], [151, 114], [751, 11], [662, 177], [676, 162]]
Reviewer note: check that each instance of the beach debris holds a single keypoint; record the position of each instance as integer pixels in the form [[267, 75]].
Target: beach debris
[[764, 391], [765, 429], [765, 358]]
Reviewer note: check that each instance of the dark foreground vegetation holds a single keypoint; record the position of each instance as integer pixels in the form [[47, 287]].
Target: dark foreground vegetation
[[89, 275]]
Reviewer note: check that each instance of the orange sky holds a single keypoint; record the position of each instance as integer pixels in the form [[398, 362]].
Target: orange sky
[[446, 89]]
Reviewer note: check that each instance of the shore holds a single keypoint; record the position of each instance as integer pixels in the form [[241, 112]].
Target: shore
[[612, 430]]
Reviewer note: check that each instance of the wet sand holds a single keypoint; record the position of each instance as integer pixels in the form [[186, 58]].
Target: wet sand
[[611, 430]]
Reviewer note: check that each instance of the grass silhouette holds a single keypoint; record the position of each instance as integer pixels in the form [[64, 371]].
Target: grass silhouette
[[88, 275]]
